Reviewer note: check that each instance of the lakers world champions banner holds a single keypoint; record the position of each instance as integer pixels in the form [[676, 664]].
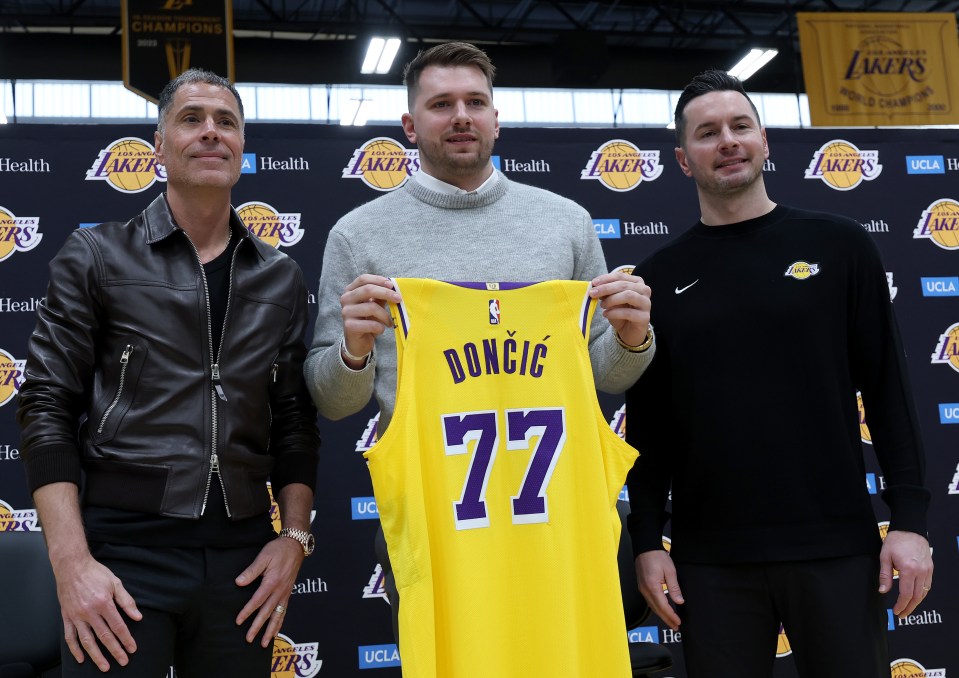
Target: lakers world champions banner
[[880, 69], [163, 38]]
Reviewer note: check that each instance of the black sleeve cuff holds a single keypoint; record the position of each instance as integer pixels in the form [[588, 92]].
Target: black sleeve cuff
[[294, 467], [646, 530], [54, 463], [908, 506]]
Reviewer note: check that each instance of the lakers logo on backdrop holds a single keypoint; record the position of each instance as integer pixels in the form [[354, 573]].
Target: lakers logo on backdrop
[[128, 165], [947, 350], [11, 376], [275, 228], [800, 270], [14, 520], [620, 166], [369, 437], [863, 428], [7, 521], [783, 649], [294, 660], [376, 587], [842, 166], [383, 164], [940, 223], [883, 531], [618, 422], [17, 234], [910, 668], [275, 517]]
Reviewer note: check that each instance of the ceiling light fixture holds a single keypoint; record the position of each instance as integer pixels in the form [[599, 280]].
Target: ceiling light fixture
[[355, 114], [379, 55], [752, 62]]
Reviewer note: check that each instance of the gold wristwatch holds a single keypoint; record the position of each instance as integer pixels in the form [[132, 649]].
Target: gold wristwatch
[[305, 538]]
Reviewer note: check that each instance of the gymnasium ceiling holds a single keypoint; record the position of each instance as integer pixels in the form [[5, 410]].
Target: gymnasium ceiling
[[534, 43]]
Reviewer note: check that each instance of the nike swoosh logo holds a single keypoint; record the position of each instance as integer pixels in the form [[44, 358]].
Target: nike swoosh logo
[[680, 290]]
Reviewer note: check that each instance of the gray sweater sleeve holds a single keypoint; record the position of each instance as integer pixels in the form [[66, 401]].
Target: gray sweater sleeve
[[337, 390], [614, 368]]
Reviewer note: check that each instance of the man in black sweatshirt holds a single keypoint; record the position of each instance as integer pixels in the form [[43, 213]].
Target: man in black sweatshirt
[[769, 320]]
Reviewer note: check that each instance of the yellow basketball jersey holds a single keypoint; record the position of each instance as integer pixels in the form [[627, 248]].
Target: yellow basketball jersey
[[496, 484]]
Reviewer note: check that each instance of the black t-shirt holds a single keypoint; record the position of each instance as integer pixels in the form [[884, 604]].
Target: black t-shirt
[[214, 528]]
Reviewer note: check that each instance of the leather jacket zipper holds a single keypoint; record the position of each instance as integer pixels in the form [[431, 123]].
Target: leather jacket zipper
[[217, 393], [124, 362]]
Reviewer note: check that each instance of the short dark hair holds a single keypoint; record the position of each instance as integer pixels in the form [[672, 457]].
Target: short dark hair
[[446, 54], [714, 80], [193, 76]]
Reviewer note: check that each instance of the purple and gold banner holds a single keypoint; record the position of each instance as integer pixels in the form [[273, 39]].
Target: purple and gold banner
[[880, 69]]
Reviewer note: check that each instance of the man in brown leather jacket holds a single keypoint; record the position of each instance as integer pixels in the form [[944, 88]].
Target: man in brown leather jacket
[[163, 390]]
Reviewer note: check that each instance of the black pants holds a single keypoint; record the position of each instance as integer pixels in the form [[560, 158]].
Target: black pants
[[189, 604], [831, 610]]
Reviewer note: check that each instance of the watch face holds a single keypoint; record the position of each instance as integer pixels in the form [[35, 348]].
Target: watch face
[[310, 544]]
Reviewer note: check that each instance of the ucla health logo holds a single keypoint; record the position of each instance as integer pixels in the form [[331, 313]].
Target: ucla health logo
[[383, 164], [910, 668], [269, 163], [842, 166], [940, 287], [940, 223], [925, 164], [364, 508], [947, 350], [644, 634], [379, 656], [17, 234], [607, 228], [294, 660], [11, 376], [369, 437], [273, 227], [949, 413], [620, 166], [14, 520], [128, 165]]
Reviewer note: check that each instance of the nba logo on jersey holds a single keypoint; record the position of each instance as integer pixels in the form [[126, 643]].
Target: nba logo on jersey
[[494, 311]]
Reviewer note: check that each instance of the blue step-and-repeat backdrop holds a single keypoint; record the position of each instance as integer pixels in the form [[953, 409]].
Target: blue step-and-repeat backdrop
[[901, 185]]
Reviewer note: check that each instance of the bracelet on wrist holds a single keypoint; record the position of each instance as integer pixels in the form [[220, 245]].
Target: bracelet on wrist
[[647, 342], [346, 352]]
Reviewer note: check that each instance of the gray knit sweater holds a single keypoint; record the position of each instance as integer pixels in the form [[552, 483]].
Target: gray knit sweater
[[510, 233]]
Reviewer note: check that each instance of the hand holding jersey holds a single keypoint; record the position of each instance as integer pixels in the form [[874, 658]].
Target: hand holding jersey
[[623, 298]]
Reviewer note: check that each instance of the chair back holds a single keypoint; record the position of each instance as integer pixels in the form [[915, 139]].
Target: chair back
[[28, 599]]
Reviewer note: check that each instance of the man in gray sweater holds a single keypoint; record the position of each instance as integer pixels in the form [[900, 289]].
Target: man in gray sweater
[[458, 219]]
